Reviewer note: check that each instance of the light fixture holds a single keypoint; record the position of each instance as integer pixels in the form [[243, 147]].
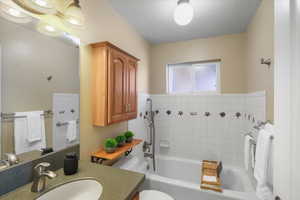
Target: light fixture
[[183, 13], [73, 15], [42, 3], [14, 14], [72, 38], [37, 6], [48, 29]]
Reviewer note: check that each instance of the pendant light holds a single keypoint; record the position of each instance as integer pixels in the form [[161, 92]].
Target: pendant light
[[183, 13], [73, 15], [14, 14], [37, 6]]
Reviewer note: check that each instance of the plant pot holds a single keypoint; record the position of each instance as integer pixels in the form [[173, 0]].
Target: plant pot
[[129, 140], [120, 144], [110, 149]]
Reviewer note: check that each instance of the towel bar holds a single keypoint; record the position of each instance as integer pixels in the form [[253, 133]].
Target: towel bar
[[253, 140], [8, 116], [59, 124]]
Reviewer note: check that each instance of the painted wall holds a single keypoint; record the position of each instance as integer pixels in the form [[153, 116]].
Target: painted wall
[[104, 24], [228, 48], [259, 44]]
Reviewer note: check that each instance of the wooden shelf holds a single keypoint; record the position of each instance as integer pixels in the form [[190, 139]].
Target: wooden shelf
[[101, 155]]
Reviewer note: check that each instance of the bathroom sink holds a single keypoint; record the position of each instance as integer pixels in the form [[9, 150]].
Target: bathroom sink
[[75, 190]]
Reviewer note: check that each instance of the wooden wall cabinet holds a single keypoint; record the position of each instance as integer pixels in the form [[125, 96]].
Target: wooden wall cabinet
[[114, 84]]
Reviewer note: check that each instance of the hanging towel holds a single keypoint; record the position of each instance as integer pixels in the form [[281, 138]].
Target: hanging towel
[[34, 126], [269, 127], [72, 131], [252, 153], [21, 134], [247, 151], [263, 154]]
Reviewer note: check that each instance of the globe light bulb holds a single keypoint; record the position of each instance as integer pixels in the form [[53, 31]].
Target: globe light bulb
[[184, 13]]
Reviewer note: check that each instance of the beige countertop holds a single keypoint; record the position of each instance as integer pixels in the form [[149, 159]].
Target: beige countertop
[[117, 184]]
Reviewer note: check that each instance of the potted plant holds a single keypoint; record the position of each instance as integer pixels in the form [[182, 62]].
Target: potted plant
[[110, 145], [129, 136], [121, 139]]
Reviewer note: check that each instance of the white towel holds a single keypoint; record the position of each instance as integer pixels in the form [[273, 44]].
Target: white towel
[[34, 126], [210, 178], [269, 127], [261, 164], [72, 131], [252, 152], [21, 133], [247, 148]]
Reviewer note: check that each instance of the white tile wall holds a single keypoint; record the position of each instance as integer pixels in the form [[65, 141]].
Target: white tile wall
[[199, 137], [139, 125], [66, 103]]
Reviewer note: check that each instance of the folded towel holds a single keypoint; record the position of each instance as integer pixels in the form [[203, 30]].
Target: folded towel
[[261, 164], [21, 134], [34, 126], [247, 148], [72, 131], [210, 178]]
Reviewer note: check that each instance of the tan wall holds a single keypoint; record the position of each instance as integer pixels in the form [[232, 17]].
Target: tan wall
[[228, 48], [259, 44], [103, 24]]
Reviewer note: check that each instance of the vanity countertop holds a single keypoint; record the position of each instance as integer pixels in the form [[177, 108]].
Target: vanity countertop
[[117, 184]]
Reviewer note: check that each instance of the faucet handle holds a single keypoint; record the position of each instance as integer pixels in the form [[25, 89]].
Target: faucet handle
[[42, 166]]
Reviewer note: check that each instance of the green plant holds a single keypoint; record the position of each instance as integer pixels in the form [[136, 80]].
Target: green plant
[[128, 134], [120, 139], [111, 143]]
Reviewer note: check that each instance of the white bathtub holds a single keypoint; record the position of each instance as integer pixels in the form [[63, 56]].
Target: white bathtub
[[181, 179]]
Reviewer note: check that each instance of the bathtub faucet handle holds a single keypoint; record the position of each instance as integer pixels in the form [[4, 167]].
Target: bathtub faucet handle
[[148, 155], [146, 147]]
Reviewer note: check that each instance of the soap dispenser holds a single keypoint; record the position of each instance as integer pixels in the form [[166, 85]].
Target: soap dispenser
[[71, 163]]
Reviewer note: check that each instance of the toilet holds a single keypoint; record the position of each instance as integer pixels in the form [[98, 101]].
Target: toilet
[[154, 195]]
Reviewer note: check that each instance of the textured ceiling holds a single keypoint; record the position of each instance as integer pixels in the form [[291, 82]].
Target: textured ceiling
[[153, 19]]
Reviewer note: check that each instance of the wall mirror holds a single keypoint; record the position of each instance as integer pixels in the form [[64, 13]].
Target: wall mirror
[[39, 90]]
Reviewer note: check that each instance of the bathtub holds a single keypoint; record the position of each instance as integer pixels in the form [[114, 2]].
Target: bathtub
[[181, 179]]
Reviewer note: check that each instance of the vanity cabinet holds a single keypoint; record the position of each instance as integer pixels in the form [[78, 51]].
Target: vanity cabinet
[[114, 86]]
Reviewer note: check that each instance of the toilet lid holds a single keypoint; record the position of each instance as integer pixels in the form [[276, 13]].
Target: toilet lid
[[154, 195]]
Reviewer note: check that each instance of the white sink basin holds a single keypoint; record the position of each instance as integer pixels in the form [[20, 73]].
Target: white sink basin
[[76, 190]]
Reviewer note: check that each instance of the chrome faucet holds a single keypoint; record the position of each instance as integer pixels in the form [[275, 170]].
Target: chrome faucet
[[148, 155], [39, 177], [12, 159]]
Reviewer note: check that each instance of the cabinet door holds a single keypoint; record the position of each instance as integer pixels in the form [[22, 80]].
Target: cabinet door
[[131, 89], [116, 87]]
